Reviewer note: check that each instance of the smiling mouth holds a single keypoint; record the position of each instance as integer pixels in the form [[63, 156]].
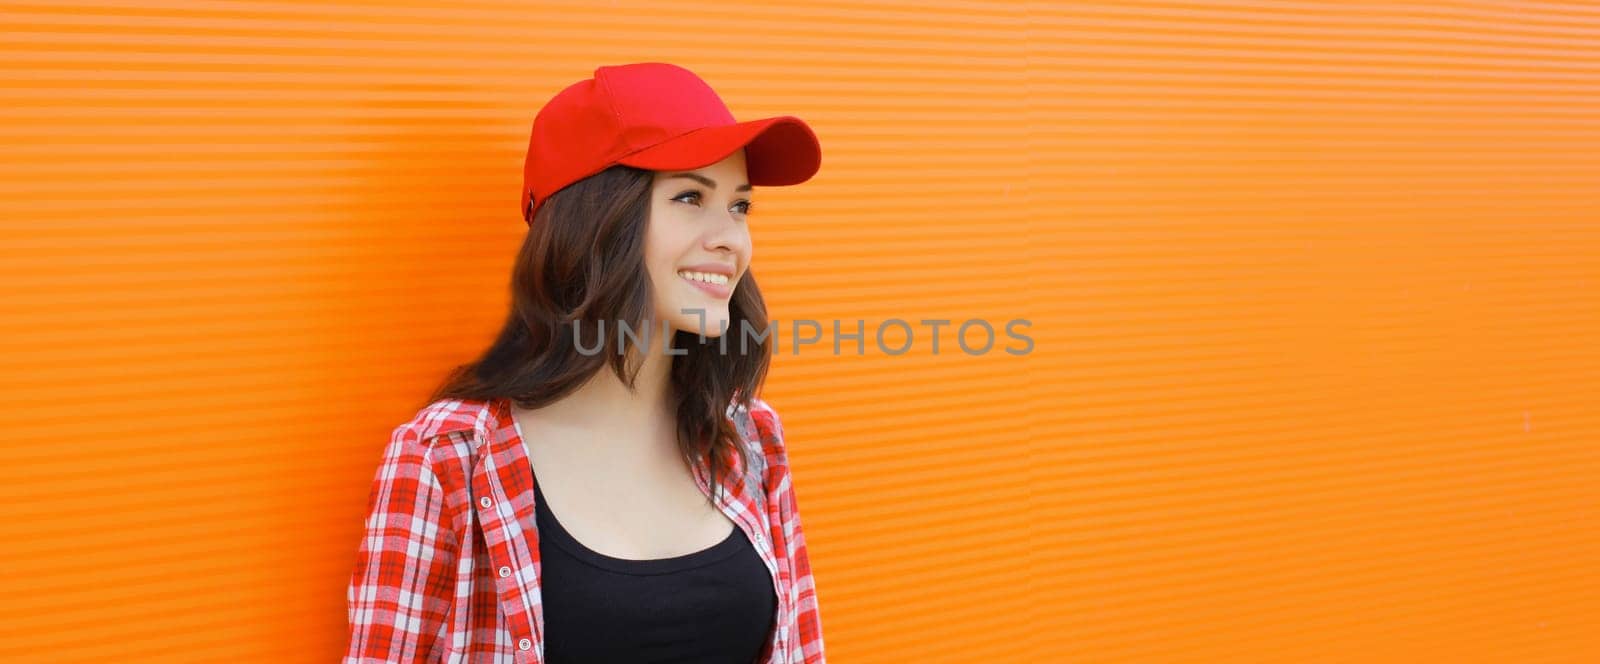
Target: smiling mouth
[[704, 277]]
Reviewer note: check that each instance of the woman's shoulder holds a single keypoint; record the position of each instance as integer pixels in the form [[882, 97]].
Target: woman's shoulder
[[763, 432], [446, 425], [766, 417]]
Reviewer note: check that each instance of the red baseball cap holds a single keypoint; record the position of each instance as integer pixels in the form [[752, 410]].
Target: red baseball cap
[[655, 116]]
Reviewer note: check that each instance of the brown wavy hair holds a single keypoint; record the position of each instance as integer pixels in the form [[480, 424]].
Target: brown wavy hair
[[583, 261]]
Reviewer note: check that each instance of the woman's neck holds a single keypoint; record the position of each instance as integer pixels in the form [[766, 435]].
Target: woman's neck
[[616, 419]]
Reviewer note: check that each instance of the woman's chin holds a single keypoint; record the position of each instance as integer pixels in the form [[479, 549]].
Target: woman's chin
[[704, 318], [711, 328]]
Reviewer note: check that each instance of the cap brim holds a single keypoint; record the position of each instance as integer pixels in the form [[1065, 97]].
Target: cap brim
[[778, 151]]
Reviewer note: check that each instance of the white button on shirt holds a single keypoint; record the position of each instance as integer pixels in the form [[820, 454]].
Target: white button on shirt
[[486, 502], [525, 644], [505, 572]]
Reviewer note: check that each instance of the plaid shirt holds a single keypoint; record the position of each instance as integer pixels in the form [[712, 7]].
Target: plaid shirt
[[448, 568]]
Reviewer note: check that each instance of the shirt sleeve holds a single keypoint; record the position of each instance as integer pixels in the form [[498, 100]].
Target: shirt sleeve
[[402, 586], [808, 616]]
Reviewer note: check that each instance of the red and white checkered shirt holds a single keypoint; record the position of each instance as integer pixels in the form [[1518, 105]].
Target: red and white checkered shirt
[[448, 568]]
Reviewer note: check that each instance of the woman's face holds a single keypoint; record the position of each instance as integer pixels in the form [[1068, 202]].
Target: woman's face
[[697, 245]]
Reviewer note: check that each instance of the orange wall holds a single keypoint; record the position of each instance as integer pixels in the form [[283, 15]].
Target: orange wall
[[1314, 291]]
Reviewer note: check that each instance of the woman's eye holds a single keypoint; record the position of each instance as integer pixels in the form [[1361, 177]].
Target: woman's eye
[[696, 196]]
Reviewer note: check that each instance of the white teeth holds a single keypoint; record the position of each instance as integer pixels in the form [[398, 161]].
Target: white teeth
[[718, 279]]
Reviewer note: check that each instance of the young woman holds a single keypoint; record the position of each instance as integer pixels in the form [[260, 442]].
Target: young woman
[[580, 495]]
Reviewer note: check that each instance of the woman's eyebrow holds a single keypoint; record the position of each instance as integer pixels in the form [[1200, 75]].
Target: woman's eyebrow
[[705, 180]]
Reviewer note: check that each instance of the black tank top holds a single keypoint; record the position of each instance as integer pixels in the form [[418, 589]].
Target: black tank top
[[715, 605]]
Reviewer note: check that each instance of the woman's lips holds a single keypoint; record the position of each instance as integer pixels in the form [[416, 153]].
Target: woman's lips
[[714, 290]]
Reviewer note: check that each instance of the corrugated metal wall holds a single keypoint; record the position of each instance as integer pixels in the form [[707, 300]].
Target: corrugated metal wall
[[1313, 291]]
